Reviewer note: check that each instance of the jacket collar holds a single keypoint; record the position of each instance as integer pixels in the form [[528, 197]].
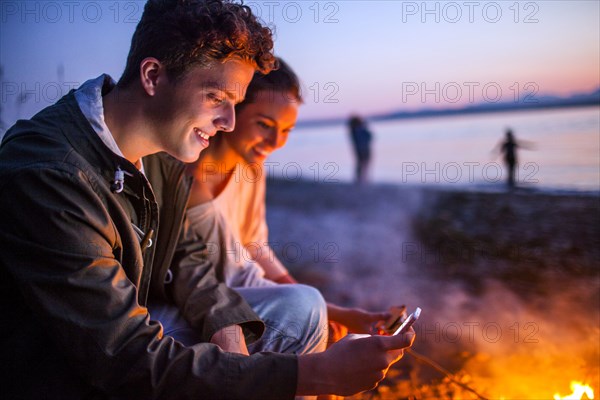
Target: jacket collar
[[86, 141], [89, 98]]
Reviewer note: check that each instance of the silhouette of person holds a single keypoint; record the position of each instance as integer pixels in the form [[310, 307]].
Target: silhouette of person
[[361, 142], [509, 148]]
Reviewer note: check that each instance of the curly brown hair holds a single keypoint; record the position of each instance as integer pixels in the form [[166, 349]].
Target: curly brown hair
[[186, 33]]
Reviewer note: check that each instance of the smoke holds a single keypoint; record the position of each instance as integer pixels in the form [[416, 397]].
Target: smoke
[[505, 335]]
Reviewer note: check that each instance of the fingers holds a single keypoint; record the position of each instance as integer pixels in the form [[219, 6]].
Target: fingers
[[386, 343], [378, 328], [382, 316], [400, 341], [378, 321], [354, 336], [367, 358]]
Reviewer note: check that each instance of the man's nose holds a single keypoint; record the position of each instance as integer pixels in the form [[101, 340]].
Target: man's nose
[[226, 120]]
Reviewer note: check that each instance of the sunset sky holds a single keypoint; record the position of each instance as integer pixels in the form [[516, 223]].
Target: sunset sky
[[352, 56]]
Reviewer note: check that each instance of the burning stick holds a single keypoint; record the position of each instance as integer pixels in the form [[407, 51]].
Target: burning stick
[[444, 371], [398, 315]]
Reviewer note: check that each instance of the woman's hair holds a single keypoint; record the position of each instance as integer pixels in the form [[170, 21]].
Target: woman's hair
[[182, 34], [281, 80]]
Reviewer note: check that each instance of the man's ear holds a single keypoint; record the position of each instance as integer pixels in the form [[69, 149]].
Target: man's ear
[[150, 72]]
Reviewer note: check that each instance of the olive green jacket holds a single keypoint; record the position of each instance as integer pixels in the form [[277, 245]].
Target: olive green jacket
[[79, 259]]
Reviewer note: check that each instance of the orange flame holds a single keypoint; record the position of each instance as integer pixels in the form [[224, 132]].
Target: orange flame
[[579, 389]]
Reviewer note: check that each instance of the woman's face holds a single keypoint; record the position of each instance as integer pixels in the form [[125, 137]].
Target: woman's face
[[263, 125]]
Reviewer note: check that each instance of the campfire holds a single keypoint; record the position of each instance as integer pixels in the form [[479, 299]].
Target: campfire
[[484, 377], [526, 364], [580, 392], [458, 386]]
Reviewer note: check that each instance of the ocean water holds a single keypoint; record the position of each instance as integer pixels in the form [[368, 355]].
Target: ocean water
[[562, 151]]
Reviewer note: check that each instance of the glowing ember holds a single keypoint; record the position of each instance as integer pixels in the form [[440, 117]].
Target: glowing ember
[[579, 389]]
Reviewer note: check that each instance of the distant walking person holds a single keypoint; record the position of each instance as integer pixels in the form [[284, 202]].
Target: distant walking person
[[509, 148], [361, 141]]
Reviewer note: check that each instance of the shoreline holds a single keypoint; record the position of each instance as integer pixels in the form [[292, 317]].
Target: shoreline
[[497, 188]]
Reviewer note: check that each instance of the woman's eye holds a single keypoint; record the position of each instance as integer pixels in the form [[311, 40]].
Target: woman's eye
[[264, 125]]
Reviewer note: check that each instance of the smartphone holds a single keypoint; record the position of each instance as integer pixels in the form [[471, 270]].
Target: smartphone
[[397, 315], [408, 322]]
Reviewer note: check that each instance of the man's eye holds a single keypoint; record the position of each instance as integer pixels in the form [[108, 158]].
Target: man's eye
[[264, 125], [216, 99]]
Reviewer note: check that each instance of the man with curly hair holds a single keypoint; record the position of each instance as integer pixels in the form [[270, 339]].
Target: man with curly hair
[[85, 186]]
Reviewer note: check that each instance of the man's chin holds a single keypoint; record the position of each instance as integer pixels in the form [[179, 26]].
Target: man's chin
[[187, 157]]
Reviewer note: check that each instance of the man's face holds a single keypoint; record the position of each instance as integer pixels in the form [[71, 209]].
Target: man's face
[[184, 115], [263, 125]]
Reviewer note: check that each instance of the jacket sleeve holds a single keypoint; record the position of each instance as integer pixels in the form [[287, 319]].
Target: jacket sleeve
[[203, 298], [58, 242]]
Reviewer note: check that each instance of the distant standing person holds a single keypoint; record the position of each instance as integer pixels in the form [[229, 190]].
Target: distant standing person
[[509, 148], [361, 141]]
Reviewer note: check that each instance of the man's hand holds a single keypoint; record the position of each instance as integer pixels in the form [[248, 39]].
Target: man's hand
[[354, 364], [231, 339], [355, 319]]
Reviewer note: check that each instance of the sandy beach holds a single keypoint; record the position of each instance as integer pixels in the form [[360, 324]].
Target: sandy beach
[[509, 283]]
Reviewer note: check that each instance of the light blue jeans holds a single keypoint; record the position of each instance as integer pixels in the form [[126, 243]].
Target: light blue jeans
[[295, 317]]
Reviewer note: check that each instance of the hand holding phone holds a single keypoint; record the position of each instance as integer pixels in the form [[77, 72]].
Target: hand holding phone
[[408, 322], [397, 315]]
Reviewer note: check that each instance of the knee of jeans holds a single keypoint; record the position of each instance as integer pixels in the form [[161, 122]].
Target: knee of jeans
[[309, 297], [305, 317], [317, 331], [312, 304]]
